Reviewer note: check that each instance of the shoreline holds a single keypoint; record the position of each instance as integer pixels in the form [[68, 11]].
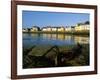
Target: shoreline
[[53, 32]]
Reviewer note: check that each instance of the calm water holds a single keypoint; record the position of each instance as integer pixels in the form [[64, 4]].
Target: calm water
[[30, 39]]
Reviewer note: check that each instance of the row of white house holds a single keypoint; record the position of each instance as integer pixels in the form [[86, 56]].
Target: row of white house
[[78, 27]]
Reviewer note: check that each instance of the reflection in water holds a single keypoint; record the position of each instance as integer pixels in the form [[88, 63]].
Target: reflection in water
[[61, 37], [53, 36], [81, 39], [55, 39]]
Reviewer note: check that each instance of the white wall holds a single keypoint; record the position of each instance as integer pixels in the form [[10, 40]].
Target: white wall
[[5, 37]]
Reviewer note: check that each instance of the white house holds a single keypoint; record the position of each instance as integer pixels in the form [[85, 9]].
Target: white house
[[61, 29], [82, 26], [54, 28], [46, 28], [69, 28]]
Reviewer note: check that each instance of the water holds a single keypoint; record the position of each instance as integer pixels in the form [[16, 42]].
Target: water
[[30, 39]]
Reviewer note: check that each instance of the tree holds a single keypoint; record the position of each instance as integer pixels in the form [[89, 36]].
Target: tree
[[87, 22], [28, 29]]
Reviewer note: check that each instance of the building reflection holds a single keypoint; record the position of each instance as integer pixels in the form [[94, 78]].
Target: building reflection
[[54, 36], [68, 37], [47, 36], [74, 38], [35, 35], [61, 36], [81, 39]]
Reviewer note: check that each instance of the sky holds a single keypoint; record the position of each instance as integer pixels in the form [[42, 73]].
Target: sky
[[43, 19]]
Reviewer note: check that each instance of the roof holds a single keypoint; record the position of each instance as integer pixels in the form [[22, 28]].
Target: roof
[[52, 27]]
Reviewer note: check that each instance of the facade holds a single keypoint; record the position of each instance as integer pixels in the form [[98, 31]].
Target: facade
[[46, 29], [61, 29], [70, 28], [53, 29], [80, 27]]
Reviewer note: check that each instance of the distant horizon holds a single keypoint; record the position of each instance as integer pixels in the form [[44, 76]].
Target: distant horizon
[[44, 19]]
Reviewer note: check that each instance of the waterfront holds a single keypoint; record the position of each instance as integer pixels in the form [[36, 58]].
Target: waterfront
[[41, 50]]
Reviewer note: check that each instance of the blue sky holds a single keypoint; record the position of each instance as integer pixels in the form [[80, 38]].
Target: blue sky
[[43, 19]]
